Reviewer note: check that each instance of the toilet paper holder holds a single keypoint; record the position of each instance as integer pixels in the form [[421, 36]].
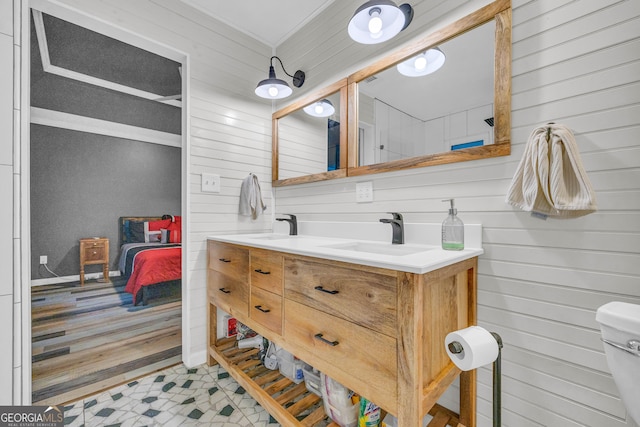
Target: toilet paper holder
[[456, 348]]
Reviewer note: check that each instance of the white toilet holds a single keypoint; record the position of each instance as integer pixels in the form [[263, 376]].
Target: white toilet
[[620, 327]]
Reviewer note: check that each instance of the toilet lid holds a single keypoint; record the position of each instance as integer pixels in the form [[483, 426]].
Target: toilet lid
[[620, 315]]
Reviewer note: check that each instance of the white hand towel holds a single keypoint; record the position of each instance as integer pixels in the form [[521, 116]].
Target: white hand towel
[[550, 178], [251, 203]]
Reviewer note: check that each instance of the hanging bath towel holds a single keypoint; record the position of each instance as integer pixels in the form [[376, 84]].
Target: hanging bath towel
[[251, 203], [550, 178]]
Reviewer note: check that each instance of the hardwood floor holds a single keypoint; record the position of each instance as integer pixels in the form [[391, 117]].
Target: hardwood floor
[[90, 338]]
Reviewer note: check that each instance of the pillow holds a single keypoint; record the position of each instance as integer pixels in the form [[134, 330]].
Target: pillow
[[152, 236], [145, 231], [175, 232], [164, 235], [136, 232], [159, 225]]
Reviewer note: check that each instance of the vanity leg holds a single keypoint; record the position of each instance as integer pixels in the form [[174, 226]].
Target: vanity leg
[[468, 387], [410, 351], [212, 332], [468, 398]]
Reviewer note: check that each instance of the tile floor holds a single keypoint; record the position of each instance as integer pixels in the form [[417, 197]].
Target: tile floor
[[177, 396]]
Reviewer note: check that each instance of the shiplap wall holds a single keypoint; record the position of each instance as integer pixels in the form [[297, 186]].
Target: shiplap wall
[[540, 282], [302, 145], [9, 293]]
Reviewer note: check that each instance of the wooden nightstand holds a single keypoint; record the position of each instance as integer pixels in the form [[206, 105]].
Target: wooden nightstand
[[94, 250]]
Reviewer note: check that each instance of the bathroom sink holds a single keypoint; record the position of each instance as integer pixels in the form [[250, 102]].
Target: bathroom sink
[[381, 248]]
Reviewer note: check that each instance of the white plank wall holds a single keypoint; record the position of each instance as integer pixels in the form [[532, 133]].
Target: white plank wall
[[9, 243], [540, 282]]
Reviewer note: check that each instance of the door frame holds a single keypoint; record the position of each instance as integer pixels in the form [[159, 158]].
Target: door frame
[[68, 13]]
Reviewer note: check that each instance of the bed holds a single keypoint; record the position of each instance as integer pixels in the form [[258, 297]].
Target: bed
[[151, 258]]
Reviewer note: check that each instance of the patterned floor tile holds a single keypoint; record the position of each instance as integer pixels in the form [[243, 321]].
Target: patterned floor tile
[[177, 396]]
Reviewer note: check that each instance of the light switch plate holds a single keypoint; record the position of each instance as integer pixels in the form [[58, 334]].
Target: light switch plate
[[364, 192], [210, 183]]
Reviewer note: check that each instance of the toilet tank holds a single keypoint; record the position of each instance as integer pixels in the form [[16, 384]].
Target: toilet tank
[[620, 327]]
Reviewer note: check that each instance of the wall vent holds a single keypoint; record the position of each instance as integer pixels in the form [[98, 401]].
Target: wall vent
[[489, 121]]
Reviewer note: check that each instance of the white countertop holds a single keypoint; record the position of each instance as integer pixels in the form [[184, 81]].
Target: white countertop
[[410, 257]]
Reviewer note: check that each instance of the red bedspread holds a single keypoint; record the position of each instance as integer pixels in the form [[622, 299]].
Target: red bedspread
[[154, 266]]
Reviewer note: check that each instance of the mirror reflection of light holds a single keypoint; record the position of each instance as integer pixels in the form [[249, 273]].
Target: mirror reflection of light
[[322, 108], [422, 64]]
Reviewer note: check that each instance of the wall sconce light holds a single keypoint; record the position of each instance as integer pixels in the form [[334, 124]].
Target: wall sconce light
[[422, 64], [377, 21], [274, 88], [322, 108]]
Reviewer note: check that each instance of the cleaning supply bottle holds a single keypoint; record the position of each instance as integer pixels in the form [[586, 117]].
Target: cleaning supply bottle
[[452, 230]]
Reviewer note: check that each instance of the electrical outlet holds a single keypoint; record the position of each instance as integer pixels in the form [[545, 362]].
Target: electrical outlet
[[364, 192], [43, 259], [210, 183]]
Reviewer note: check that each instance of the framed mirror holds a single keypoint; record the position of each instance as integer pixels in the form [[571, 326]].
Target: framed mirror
[[310, 138], [459, 112], [386, 121]]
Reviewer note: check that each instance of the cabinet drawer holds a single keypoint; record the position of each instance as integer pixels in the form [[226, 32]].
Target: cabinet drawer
[[363, 297], [229, 259], [367, 356], [266, 270], [229, 294], [266, 309], [94, 252]]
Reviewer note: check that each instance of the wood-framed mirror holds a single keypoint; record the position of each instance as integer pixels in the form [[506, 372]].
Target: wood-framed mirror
[[310, 137], [443, 117], [473, 89]]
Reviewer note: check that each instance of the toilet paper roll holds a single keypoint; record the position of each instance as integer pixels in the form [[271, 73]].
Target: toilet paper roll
[[479, 347]]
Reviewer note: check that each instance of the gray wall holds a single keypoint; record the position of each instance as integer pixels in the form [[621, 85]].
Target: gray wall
[[82, 183]]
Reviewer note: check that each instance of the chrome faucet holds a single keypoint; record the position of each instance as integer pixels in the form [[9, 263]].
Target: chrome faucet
[[293, 224], [397, 226]]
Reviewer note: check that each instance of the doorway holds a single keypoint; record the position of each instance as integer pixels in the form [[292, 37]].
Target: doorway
[[82, 124]]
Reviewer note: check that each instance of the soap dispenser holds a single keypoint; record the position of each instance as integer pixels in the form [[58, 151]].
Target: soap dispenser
[[452, 230]]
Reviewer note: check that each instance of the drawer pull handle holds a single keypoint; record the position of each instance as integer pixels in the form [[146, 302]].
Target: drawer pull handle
[[264, 310], [226, 291], [321, 289], [261, 272], [326, 341], [224, 260]]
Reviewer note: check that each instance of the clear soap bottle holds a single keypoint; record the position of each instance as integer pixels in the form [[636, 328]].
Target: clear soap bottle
[[452, 230]]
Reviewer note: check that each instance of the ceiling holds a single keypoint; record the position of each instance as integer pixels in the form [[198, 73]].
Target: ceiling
[[106, 62], [270, 21]]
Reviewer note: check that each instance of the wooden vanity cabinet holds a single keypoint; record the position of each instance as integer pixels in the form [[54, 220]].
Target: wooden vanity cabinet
[[377, 331]]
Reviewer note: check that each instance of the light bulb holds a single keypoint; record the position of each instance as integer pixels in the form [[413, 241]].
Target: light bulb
[[318, 108], [375, 24], [273, 91], [420, 63]]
